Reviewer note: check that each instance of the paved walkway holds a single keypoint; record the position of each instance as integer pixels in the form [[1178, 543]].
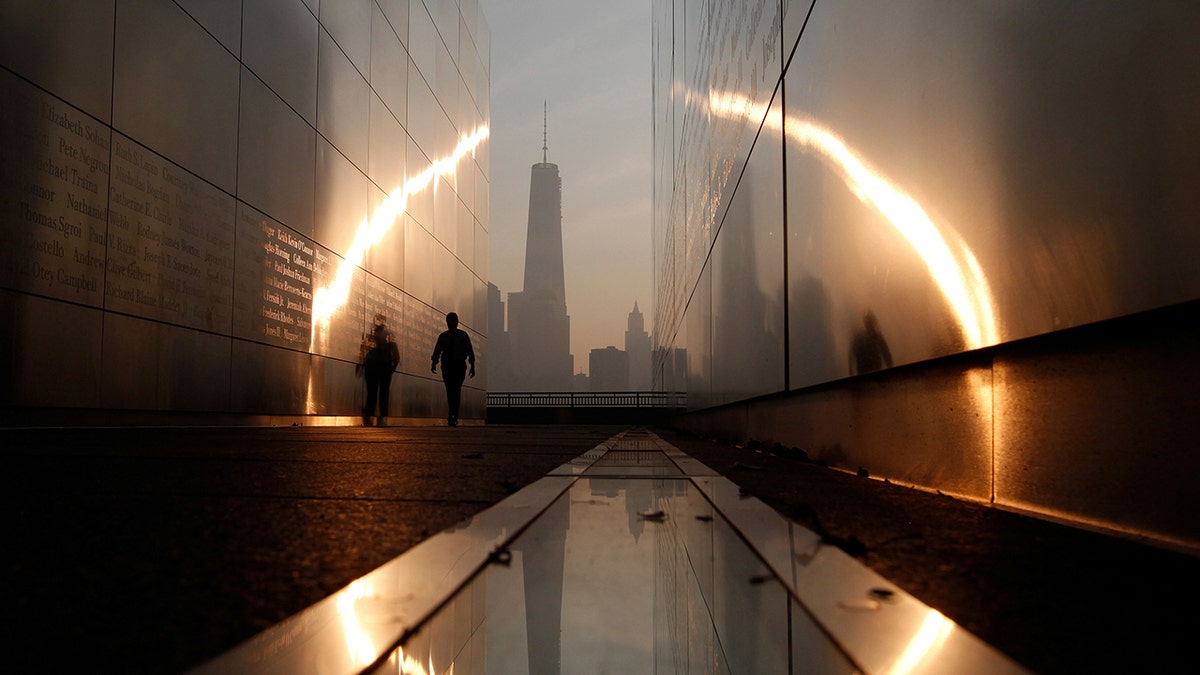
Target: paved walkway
[[1057, 599], [632, 558], [151, 550]]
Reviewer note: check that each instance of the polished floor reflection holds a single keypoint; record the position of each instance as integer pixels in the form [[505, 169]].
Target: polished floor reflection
[[633, 558]]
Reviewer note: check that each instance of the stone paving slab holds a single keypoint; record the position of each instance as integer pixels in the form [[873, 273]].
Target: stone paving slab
[[152, 549]]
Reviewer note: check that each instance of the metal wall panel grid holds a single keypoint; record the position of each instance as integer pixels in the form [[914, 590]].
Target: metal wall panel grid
[[952, 179], [989, 205], [219, 216]]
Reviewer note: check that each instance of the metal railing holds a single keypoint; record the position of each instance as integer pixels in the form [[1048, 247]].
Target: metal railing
[[587, 399]]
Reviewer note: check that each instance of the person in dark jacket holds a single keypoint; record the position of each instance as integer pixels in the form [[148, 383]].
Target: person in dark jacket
[[454, 350], [378, 365]]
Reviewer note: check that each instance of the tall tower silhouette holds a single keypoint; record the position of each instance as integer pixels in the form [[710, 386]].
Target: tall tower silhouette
[[539, 328], [543, 240], [637, 346]]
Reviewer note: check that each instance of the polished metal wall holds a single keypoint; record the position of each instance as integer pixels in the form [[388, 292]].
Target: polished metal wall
[[844, 186], [989, 205], [207, 205]]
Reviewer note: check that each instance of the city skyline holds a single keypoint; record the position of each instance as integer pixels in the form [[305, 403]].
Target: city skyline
[[589, 65]]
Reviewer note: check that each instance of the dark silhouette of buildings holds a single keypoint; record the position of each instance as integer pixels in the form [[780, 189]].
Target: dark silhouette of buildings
[[499, 363], [581, 382], [608, 369]]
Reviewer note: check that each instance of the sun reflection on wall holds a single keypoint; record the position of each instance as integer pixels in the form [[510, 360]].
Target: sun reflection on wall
[[328, 299], [949, 260], [407, 665]]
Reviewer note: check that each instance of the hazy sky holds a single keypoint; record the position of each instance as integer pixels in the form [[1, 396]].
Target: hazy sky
[[591, 62]]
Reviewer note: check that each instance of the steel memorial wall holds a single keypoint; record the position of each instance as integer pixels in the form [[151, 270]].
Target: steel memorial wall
[[947, 243], [207, 206], [969, 175]]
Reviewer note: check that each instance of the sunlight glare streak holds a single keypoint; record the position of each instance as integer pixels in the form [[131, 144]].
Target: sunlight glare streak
[[408, 665], [358, 642], [955, 270], [329, 299], [925, 644]]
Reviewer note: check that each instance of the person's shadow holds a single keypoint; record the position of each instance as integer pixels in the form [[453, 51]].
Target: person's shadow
[[379, 361], [869, 350]]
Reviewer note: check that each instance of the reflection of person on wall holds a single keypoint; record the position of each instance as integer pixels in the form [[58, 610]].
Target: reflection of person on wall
[[869, 351], [454, 349], [378, 364]]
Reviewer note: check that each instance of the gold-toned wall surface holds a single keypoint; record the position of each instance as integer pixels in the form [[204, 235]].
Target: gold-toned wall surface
[[207, 206], [845, 187], [1094, 425]]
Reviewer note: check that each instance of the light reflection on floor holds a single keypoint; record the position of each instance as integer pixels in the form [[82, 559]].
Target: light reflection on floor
[[633, 558]]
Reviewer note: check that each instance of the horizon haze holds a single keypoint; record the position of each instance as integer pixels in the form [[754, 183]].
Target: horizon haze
[[589, 64]]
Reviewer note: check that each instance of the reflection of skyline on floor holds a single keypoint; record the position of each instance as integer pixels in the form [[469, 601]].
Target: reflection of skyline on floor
[[587, 575], [620, 575], [674, 590], [574, 574]]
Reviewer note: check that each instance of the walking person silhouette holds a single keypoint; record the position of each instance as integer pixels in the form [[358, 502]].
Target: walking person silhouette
[[378, 365], [454, 349]]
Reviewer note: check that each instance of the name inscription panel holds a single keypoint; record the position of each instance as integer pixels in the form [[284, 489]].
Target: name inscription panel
[[53, 201], [170, 254], [273, 294], [279, 271], [92, 217]]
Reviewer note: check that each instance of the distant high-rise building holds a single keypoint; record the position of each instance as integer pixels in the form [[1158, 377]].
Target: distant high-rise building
[[499, 354], [609, 369], [637, 345], [581, 382], [539, 329]]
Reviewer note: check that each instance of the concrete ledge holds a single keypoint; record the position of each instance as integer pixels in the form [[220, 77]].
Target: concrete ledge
[[1093, 426]]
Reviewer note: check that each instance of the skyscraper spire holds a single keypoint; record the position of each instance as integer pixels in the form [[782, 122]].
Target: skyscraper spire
[[539, 329], [543, 239]]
